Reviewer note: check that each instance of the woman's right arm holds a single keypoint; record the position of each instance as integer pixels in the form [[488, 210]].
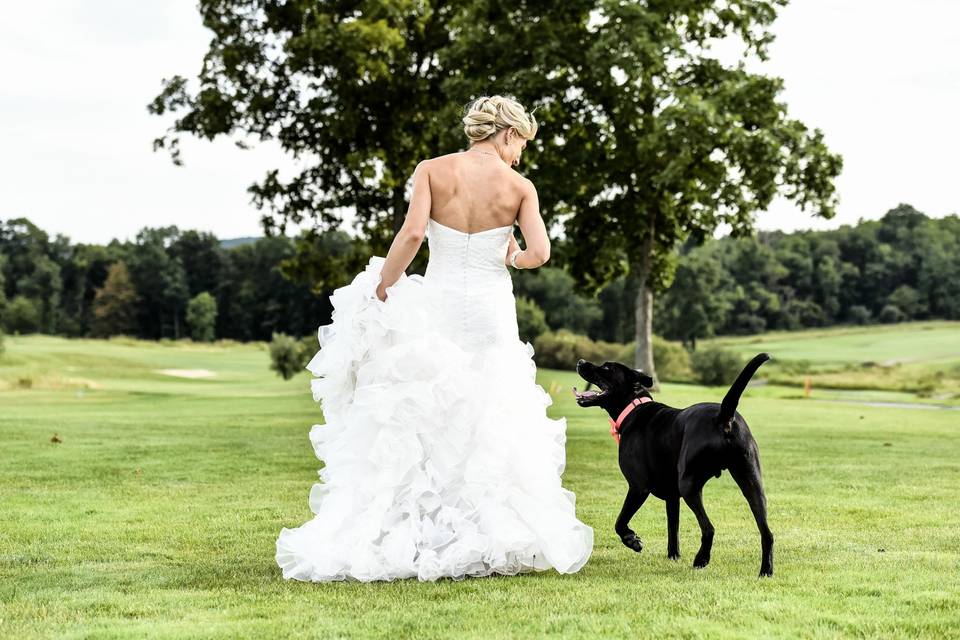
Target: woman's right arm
[[533, 230], [514, 245]]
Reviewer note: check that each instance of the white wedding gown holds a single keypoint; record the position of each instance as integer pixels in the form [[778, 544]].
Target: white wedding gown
[[440, 460]]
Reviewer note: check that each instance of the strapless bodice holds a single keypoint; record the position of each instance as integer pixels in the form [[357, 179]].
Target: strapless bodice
[[473, 260]]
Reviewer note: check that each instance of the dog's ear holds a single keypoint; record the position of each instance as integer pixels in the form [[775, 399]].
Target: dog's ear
[[643, 379]]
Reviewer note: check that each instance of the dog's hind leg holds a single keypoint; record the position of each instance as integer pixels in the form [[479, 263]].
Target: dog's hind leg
[[634, 500], [693, 496], [673, 526], [747, 476]]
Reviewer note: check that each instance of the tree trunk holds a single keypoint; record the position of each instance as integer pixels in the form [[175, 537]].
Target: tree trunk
[[643, 356]]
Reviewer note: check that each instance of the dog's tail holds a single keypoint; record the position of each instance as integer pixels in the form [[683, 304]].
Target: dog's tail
[[729, 405]]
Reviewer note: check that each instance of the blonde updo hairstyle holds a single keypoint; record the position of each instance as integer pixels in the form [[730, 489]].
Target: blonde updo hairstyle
[[488, 115]]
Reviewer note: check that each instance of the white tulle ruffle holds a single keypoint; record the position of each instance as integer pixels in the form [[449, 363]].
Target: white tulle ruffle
[[439, 461]]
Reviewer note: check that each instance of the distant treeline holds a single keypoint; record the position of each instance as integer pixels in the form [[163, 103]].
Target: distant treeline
[[170, 283], [145, 288], [904, 266]]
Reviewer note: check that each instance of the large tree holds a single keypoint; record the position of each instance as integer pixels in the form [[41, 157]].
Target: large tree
[[647, 138], [679, 142]]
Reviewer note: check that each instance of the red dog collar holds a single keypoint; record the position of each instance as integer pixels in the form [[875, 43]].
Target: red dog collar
[[615, 426]]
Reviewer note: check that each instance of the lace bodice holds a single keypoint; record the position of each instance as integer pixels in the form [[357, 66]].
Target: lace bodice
[[468, 273]]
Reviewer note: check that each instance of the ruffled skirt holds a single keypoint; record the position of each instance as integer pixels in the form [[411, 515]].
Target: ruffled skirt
[[440, 460]]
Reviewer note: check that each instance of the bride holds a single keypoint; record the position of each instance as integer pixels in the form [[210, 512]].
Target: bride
[[440, 460]]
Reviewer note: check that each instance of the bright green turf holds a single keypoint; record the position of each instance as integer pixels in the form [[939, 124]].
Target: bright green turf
[[907, 342], [158, 513], [920, 359]]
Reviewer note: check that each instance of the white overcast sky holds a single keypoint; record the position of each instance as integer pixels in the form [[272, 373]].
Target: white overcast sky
[[881, 78]]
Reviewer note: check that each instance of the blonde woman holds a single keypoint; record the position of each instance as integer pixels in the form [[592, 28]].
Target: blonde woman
[[440, 460]]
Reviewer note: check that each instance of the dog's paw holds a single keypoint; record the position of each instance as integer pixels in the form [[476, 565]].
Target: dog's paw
[[766, 572], [675, 555], [702, 560], [632, 541]]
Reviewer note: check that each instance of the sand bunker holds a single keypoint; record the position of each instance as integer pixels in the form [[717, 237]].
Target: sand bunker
[[187, 373]]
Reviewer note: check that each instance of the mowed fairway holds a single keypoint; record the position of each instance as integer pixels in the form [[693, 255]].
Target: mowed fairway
[[157, 514], [909, 362], [937, 341]]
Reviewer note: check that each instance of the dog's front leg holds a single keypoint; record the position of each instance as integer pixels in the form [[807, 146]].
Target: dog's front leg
[[634, 500], [673, 526]]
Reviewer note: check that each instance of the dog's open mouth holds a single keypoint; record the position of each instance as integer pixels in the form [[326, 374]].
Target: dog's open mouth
[[591, 394]]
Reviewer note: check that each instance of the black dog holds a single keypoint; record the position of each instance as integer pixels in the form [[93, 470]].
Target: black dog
[[671, 453]]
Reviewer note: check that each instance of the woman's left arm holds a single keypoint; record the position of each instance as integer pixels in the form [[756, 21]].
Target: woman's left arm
[[407, 242]]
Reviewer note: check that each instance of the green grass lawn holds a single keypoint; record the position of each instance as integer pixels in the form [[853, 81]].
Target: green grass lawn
[[157, 514], [883, 344], [921, 359]]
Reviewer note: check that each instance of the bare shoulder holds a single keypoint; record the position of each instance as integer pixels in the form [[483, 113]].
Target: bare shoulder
[[519, 185], [527, 186], [426, 164], [444, 159], [437, 165]]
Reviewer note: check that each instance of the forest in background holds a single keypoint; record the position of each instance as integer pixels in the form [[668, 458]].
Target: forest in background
[[172, 283]]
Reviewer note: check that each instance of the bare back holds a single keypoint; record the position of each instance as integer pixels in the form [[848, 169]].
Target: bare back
[[472, 191]]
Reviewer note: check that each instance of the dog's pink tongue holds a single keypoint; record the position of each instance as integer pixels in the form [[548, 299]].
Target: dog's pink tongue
[[583, 394]]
